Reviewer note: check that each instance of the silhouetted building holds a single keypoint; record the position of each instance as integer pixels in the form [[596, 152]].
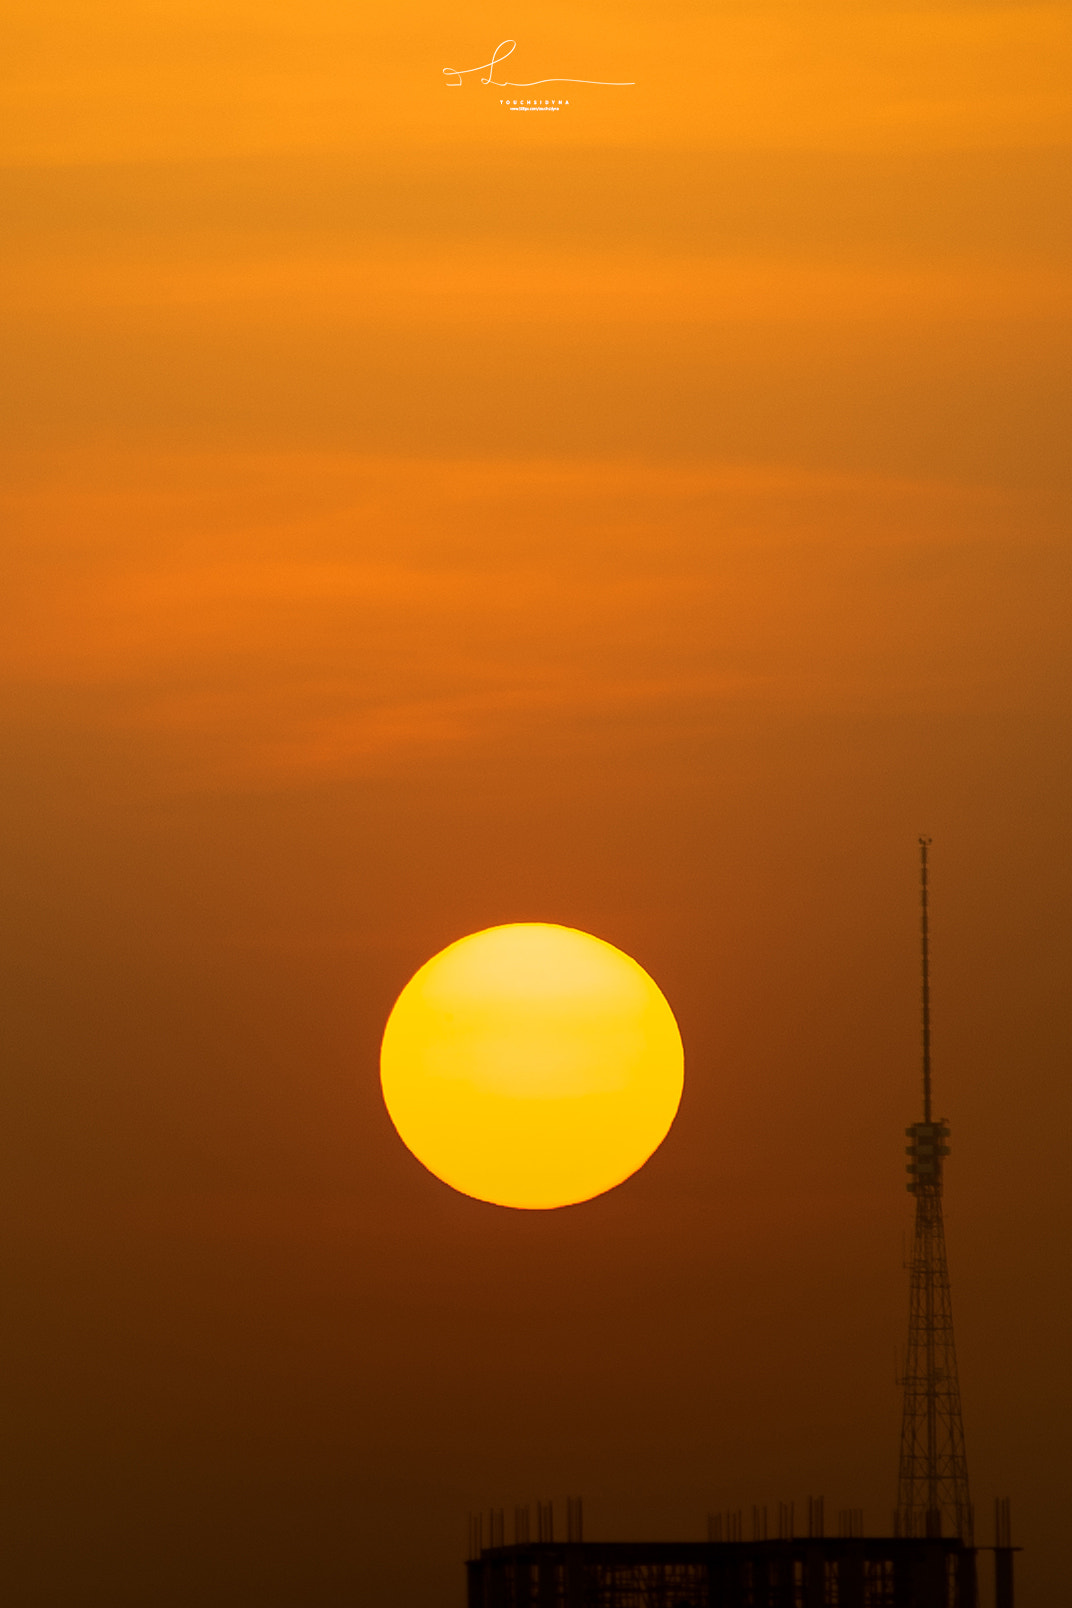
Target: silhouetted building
[[823, 1572]]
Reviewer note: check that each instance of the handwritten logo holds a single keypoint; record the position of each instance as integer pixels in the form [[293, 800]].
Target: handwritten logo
[[506, 47]]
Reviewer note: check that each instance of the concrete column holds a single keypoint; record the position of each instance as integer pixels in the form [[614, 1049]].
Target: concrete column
[[574, 1580], [814, 1578], [851, 1579], [546, 1589]]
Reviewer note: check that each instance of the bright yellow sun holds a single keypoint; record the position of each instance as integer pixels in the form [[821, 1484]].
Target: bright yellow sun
[[532, 1065]]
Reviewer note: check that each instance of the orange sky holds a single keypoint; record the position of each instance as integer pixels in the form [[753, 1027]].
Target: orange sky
[[647, 517]]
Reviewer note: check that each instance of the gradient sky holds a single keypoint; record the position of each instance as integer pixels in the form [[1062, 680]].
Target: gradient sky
[[647, 517]]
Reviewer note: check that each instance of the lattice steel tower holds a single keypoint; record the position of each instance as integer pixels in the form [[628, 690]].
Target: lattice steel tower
[[932, 1490]]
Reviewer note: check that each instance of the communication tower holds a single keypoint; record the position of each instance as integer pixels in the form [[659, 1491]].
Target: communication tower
[[932, 1489]]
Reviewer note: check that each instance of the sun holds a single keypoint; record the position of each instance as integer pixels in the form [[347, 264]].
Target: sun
[[532, 1065]]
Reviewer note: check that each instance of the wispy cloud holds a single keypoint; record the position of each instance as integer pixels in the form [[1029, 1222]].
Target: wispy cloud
[[391, 610]]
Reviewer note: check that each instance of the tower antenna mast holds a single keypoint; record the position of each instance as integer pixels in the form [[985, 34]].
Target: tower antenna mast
[[932, 1487], [924, 845]]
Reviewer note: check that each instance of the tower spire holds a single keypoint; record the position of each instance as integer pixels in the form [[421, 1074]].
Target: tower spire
[[932, 1489], [924, 845]]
